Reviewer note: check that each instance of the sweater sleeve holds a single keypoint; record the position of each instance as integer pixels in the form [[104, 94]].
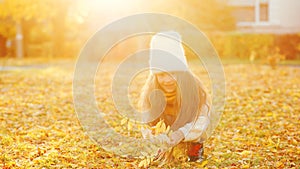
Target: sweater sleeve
[[196, 131]]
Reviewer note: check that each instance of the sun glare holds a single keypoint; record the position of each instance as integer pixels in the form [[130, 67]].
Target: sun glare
[[112, 5]]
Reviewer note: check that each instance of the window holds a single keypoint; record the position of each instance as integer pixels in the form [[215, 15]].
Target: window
[[252, 12], [263, 12]]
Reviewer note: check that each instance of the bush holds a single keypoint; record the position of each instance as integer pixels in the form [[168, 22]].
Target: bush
[[255, 46], [288, 45]]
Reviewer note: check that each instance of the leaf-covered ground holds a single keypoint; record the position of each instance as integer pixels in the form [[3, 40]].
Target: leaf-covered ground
[[258, 129]]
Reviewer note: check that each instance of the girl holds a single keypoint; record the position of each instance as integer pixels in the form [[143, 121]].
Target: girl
[[186, 102]]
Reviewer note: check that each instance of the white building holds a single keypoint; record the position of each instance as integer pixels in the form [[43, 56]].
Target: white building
[[267, 16]]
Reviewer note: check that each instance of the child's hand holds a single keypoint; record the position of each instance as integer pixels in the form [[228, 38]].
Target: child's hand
[[176, 137], [163, 139]]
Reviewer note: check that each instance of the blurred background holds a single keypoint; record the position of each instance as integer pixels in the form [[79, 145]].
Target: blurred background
[[264, 31], [258, 42]]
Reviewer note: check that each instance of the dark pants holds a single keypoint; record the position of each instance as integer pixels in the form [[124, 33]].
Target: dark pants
[[195, 151]]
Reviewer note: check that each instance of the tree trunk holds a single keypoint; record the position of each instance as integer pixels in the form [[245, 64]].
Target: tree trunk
[[19, 40], [59, 32], [3, 51]]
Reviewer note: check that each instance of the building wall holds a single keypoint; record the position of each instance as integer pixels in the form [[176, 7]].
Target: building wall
[[241, 2], [286, 13], [283, 16]]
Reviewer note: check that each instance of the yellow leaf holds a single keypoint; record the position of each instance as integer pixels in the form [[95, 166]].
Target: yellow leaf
[[142, 163], [278, 142], [278, 164], [158, 125], [245, 152], [163, 127], [148, 161], [269, 114], [274, 150], [123, 121], [145, 163], [271, 142], [246, 166], [168, 129], [203, 163], [129, 126]]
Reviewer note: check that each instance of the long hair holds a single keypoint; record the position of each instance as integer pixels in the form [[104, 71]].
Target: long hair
[[189, 98]]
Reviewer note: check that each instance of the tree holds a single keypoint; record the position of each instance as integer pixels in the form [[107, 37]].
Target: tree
[[31, 13], [208, 15]]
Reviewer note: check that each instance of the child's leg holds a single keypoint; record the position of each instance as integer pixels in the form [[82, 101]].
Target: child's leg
[[196, 151]]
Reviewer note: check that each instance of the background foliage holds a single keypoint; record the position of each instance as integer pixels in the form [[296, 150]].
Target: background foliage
[[39, 127], [260, 45]]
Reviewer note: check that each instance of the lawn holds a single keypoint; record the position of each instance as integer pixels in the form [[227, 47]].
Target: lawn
[[258, 129]]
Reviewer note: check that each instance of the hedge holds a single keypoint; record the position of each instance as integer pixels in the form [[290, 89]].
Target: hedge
[[244, 45]]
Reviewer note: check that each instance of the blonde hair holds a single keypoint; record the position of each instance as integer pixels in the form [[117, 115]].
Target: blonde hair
[[190, 96]]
